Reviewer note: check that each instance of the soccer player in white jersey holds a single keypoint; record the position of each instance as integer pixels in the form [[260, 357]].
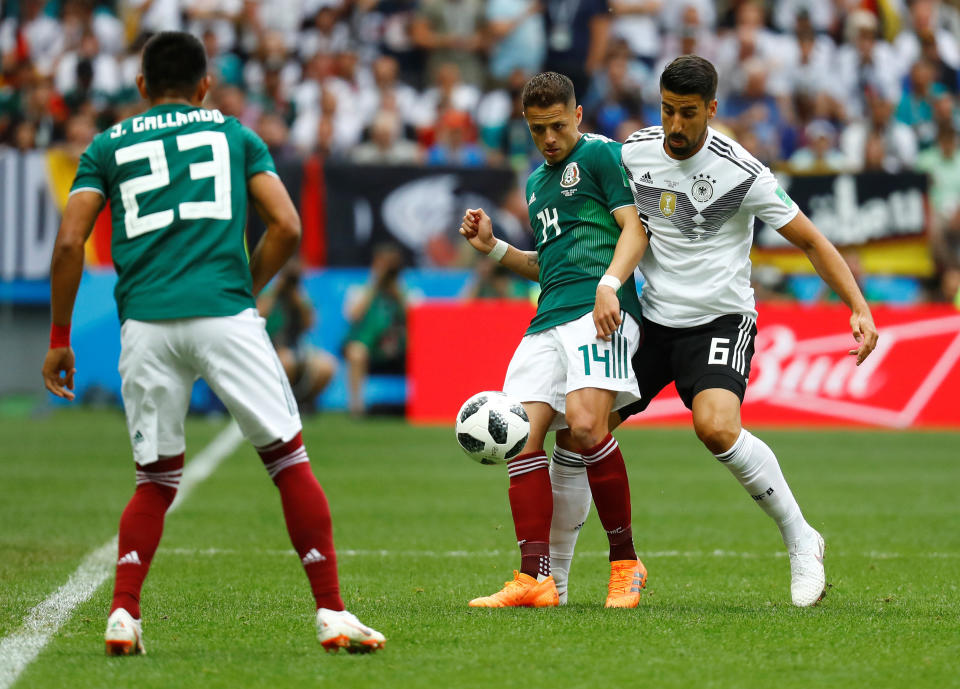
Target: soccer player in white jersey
[[178, 177], [698, 193]]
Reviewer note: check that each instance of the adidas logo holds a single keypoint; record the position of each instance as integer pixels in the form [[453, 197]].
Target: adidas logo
[[647, 178], [312, 556], [138, 437], [130, 558]]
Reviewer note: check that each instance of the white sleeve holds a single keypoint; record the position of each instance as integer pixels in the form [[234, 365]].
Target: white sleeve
[[767, 201]]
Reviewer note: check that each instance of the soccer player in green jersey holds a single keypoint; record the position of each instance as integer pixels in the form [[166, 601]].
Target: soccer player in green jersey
[[177, 178], [572, 367]]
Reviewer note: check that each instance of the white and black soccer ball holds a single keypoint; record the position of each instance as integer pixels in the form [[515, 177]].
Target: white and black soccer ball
[[492, 427]]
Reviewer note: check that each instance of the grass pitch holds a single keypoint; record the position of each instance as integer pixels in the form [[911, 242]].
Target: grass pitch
[[421, 530]]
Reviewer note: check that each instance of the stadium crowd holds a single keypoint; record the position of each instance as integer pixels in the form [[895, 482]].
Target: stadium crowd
[[806, 85]]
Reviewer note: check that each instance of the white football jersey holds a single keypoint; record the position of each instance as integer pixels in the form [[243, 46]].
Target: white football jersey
[[699, 216]]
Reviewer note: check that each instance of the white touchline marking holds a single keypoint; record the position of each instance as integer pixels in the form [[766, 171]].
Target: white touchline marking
[[653, 554], [20, 648]]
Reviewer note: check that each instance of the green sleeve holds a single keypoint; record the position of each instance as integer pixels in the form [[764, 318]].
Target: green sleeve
[[611, 176], [257, 155], [90, 173]]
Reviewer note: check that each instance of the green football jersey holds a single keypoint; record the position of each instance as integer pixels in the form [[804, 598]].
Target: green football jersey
[[176, 178], [571, 208]]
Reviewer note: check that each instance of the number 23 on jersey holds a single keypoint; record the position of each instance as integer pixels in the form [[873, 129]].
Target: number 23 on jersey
[[217, 168]]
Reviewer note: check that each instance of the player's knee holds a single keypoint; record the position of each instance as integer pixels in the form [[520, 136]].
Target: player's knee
[[586, 428], [716, 433]]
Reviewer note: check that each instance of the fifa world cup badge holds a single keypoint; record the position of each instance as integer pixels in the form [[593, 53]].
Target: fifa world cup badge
[[668, 203], [571, 176]]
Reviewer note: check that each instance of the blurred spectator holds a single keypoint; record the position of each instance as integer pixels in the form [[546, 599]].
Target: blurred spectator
[[820, 14], [750, 43], [376, 341], [327, 130], [386, 145], [79, 17], [916, 104], [232, 102], [753, 108], [809, 68], [517, 36], [448, 92], [674, 11], [819, 156], [290, 316], [690, 37], [151, 16], [272, 128], [454, 142], [452, 31], [326, 33], [577, 34], [503, 129], [87, 69], [942, 163], [879, 142], [638, 23], [25, 136], [33, 36], [387, 92], [865, 65], [224, 66], [273, 98], [272, 53], [925, 36], [493, 281], [615, 94]]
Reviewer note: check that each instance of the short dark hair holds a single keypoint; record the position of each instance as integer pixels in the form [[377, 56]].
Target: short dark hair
[[173, 63], [690, 74], [546, 89]]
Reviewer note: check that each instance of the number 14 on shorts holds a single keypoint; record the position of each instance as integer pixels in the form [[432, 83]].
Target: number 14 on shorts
[[612, 359]]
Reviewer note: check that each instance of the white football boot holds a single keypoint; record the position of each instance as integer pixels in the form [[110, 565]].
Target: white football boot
[[338, 629], [124, 634], [808, 583]]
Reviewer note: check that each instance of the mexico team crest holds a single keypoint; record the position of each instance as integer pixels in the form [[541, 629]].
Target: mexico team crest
[[668, 203], [571, 176]]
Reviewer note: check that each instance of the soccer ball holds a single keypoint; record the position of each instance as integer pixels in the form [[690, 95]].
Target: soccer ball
[[492, 427]]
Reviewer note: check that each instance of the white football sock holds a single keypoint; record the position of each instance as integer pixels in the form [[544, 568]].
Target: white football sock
[[755, 466], [571, 504]]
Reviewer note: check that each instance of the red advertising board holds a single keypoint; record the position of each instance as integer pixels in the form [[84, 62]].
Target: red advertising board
[[801, 373]]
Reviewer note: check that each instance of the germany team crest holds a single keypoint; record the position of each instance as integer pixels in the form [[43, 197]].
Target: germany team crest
[[571, 176], [668, 203]]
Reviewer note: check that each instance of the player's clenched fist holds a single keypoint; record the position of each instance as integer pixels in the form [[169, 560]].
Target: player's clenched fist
[[478, 230]]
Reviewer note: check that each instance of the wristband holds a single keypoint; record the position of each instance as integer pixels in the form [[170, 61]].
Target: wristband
[[59, 335], [610, 281], [499, 251]]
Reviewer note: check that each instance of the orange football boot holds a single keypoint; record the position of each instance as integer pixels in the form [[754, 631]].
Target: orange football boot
[[523, 592], [627, 577]]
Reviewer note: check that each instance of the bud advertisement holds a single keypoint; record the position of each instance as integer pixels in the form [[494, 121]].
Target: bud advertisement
[[801, 373]]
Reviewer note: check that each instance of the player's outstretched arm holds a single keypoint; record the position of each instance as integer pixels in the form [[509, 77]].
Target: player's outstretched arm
[[477, 229], [829, 264], [630, 247], [66, 270], [276, 209]]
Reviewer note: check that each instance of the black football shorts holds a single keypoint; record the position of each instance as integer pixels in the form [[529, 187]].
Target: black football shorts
[[713, 355]]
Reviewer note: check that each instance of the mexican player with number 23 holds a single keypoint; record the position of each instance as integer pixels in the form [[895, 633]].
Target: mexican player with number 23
[[177, 178]]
